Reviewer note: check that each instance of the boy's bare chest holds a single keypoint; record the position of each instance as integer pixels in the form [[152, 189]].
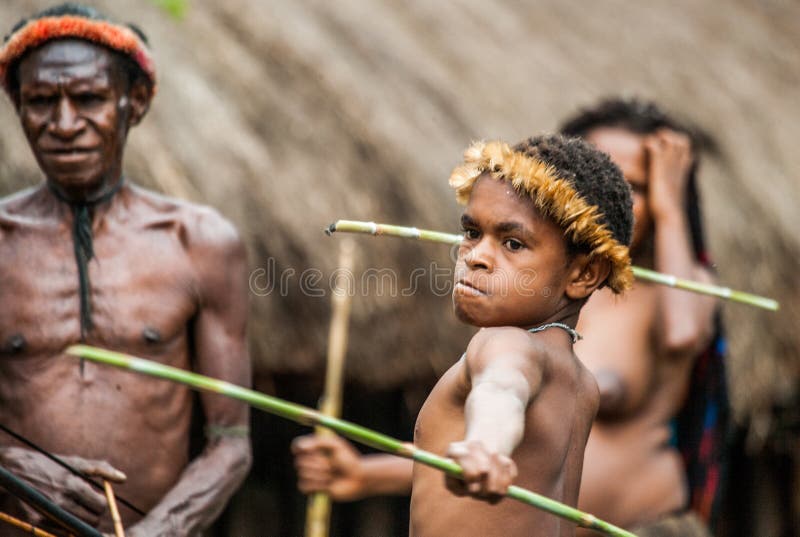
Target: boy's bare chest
[[548, 423], [540, 457]]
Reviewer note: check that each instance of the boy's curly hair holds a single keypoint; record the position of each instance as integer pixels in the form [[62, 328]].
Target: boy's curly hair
[[591, 172], [571, 183]]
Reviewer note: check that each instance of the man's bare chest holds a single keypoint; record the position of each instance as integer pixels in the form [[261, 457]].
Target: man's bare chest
[[141, 292]]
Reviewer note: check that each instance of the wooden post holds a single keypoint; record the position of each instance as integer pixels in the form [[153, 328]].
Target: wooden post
[[318, 512]]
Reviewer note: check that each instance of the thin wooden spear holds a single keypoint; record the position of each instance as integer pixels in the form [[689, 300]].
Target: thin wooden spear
[[357, 433], [119, 531], [318, 512], [22, 490], [371, 228], [24, 526], [68, 467]]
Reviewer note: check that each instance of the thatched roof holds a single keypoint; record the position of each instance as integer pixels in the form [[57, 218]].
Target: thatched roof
[[288, 115]]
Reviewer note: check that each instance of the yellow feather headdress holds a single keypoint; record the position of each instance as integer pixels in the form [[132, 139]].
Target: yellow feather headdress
[[554, 198]]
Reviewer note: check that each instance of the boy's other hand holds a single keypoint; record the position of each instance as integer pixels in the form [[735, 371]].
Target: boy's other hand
[[328, 464], [670, 159], [487, 473]]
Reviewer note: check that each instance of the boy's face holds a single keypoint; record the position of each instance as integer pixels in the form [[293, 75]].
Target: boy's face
[[627, 151], [512, 267]]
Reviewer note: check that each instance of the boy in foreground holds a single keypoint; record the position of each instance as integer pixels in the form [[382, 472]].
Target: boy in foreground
[[656, 353], [546, 224]]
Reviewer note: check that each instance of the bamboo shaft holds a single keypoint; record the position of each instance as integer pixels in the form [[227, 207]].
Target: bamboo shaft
[[371, 228], [706, 289], [66, 466], [307, 416], [318, 512], [22, 490], [119, 531], [24, 526]]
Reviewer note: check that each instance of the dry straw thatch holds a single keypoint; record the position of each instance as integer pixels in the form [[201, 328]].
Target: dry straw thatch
[[288, 115]]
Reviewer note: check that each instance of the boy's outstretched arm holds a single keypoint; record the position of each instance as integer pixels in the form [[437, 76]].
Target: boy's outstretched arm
[[332, 465], [504, 374]]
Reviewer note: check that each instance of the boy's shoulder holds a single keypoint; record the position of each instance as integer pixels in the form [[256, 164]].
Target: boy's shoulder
[[492, 336], [532, 353], [535, 342], [505, 343]]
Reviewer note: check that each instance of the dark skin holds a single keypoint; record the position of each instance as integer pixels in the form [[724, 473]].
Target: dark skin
[[641, 347], [513, 273], [168, 283], [518, 406]]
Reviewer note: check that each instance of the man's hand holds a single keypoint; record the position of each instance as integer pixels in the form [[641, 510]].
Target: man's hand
[[65, 489], [487, 473], [670, 159], [328, 464]]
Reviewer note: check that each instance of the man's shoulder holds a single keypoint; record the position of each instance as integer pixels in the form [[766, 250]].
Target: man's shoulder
[[19, 210], [203, 226], [15, 202]]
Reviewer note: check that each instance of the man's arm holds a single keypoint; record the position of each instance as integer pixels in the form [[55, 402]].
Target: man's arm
[[504, 377], [687, 319], [220, 344], [332, 465]]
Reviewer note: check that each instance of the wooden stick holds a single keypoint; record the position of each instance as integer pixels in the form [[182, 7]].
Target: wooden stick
[[318, 512], [23, 491], [371, 228], [119, 531], [353, 431], [59, 461], [24, 526]]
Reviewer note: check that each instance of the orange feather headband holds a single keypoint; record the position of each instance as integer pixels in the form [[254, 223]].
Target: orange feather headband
[[38, 31], [554, 198]]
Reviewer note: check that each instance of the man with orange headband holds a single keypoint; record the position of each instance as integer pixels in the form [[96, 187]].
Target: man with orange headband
[[87, 256]]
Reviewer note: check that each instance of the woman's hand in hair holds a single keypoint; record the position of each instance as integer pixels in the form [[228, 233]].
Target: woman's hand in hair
[[670, 159]]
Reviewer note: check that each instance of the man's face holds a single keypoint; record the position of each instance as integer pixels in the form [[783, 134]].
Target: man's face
[[627, 151], [512, 264], [74, 109]]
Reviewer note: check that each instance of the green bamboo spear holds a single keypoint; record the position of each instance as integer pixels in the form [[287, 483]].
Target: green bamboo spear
[[371, 228], [357, 433]]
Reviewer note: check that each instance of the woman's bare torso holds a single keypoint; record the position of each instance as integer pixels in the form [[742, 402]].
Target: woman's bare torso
[[631, 472]]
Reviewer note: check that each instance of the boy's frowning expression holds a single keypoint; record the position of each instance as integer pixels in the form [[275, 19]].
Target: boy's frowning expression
[[512, 267]]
